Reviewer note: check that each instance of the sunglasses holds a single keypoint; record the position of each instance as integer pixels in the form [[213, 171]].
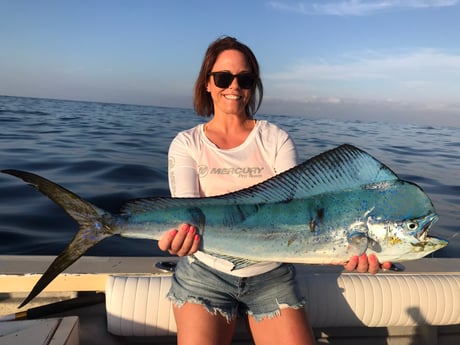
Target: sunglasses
[[225, 79]]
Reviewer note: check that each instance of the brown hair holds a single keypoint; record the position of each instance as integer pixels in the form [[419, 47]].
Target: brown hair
[[202, 101]]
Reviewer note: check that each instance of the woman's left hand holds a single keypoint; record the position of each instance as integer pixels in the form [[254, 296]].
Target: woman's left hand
[[365, 263]]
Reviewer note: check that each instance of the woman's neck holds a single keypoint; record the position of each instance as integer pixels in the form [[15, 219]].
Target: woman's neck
[[227, 133]]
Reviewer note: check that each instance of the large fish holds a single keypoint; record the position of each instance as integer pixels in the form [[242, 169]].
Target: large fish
[[340, 203]]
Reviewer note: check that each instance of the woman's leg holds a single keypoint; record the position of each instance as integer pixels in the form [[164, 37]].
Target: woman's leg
[[196, 325], [290, 327]]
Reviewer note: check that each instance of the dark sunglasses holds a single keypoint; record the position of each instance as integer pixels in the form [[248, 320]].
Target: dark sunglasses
[[225, 79]]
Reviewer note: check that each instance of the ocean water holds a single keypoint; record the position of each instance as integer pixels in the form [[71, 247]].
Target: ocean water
[[108, 153]]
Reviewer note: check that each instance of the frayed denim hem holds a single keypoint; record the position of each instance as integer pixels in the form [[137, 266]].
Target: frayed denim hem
[[179, 303], [276, 313]]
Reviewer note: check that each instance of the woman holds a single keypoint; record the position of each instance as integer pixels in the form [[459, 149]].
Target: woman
[[230, 152]]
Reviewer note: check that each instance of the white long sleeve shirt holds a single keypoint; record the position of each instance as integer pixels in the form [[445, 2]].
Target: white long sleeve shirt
[[198, 168]]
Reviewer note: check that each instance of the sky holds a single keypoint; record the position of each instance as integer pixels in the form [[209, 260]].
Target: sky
[[382, 60]]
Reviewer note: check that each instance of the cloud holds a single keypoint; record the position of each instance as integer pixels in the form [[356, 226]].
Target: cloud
[[417, 86], [357, 7], [426, 73]]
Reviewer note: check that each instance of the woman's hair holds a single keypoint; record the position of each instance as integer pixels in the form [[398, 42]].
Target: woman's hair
[[202, 98]]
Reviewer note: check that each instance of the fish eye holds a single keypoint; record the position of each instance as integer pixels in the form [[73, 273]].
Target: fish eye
[[412, 225]]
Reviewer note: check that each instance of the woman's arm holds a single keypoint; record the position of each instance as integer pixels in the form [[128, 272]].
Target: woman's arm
[[183, 182]]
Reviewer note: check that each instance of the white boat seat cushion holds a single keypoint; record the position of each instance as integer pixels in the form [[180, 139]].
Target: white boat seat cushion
[[137, 305]]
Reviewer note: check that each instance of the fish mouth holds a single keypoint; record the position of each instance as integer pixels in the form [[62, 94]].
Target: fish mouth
[[422, 235], [427, 244]]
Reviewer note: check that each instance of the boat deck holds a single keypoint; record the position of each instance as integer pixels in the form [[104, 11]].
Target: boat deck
[[89, 274]]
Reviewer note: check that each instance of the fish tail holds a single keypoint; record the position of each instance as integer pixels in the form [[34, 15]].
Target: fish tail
[[95, 225]]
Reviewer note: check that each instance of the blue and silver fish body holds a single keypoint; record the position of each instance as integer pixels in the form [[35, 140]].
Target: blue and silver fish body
[[340, 203], [389, 219]]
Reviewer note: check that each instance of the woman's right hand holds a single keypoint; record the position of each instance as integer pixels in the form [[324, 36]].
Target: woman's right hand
[[183, 241]]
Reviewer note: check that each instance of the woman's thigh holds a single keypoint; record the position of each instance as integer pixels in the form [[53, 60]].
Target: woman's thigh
[[196, 325], [291, 327]]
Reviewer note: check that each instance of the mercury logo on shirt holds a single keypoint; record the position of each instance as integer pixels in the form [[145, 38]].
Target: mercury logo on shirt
[[243, 172]]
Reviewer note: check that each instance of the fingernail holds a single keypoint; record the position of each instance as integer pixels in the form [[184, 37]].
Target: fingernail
[[197, 237], [191, 230]]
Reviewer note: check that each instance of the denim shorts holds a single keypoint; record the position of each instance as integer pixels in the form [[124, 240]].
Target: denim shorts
[[261, 296]]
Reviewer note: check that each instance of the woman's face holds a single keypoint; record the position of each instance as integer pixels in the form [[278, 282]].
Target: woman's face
[[233, 99]]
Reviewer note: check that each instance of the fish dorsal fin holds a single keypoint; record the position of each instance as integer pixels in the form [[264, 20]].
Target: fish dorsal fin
[[344, 167]]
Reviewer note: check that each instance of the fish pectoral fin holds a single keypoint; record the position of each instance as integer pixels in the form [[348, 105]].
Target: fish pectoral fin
[[358, 242], [373, 245]]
